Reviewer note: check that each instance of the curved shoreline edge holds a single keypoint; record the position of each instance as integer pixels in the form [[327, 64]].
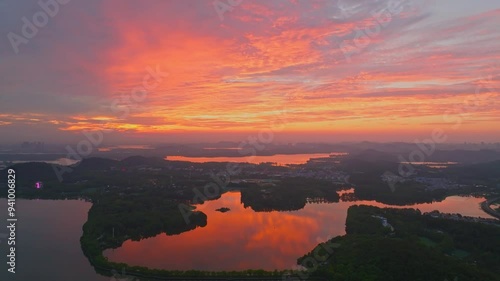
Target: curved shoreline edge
[[486, 207], [107, 268], [94, 253]]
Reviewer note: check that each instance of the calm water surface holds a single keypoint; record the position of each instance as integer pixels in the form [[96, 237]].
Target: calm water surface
[[243, 239], [48, 233], [48, 241], [281, 159]]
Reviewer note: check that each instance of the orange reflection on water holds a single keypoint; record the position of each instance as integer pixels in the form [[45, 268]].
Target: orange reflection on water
[[280, 159], [243, 239], [238, 239]]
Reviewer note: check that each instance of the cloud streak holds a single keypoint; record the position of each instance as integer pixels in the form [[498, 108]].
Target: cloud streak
[[232, 75]]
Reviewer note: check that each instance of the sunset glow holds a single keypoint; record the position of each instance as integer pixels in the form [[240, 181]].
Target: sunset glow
[[320, 68]]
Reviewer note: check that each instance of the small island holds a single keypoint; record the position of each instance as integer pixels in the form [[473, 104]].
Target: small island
[[223, 210]]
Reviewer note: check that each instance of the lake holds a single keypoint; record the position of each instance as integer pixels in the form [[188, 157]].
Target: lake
[[279, 159], [60, 161], [47, 241], [48, 234], [243, 239]]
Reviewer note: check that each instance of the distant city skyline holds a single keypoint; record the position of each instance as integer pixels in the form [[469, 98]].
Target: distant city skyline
[[294, 71]]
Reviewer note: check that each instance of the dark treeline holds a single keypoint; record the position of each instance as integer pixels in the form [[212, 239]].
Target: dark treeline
[[289, 194], [418, 247]]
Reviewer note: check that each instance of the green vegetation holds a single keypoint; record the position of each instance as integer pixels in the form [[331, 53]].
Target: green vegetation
[[420, 248], [135, 198], [138, 197], [137, 215], [483, 173], [288, 194], [115, 219], [366, 176]]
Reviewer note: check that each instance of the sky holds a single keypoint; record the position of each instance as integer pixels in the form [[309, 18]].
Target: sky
[[296, 70]]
